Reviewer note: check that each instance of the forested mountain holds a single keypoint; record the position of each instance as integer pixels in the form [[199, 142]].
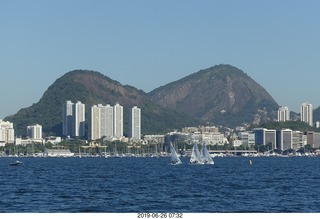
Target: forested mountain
[[92, 88], [220, 95]]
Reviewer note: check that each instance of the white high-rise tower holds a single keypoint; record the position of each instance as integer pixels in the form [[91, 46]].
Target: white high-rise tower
[[118, 121], [306, 113], [283, 114], [101, 121], [67, 119], [107, 121], [79, 119], [136, 123], [95, 130]]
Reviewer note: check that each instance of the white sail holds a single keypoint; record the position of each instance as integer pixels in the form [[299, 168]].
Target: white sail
[[196, 157], [174, 156], [207, 159]]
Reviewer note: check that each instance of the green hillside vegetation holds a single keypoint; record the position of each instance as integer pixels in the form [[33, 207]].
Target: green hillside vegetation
[[92, 88], [222, 95], [294, 125]]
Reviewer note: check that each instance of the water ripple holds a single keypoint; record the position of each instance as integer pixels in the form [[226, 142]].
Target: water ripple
[[153, 185]]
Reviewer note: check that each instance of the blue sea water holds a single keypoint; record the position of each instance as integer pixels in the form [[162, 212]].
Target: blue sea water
[[270, 184]]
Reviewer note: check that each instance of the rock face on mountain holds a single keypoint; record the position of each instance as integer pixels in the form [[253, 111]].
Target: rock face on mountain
[[222, 95], [93, 88]]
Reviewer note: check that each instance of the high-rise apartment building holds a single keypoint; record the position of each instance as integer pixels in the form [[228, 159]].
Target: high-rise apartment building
[[95, 128], [101, 122], [79, 119], [107, 121], [67, 119], [6, 133], [283, 114], [306, 113], [73, 119], [34, 131], [118, 120], [136, 123]]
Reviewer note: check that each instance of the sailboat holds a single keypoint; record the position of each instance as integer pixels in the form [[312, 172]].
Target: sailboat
[[174, 156], [116, 155], [207, 159], [16, 163], [196, 157], [105, 153]]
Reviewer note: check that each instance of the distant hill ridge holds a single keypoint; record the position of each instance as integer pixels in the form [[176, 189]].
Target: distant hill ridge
[[92, 88], [220, 95]]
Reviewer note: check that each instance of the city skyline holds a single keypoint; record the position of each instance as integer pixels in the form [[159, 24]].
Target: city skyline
[[158, 41], [107, 121], [283, 139]]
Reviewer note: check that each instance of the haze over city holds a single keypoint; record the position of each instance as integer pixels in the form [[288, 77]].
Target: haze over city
[[148, 44]]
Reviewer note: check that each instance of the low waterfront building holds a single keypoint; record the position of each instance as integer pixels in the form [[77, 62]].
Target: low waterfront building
[[210, 129], [240, 129], [208, 134], [27, 141], [247, 138], [265, 137], [284, 139], [190, 129], [237, 143], [178, 137], [53, 140], [313, 139], [154, 138], [212, 138], [202, 129], [58, 153], [298, 140]]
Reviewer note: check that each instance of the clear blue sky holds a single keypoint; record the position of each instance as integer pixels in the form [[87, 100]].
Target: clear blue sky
[[146, 44]]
